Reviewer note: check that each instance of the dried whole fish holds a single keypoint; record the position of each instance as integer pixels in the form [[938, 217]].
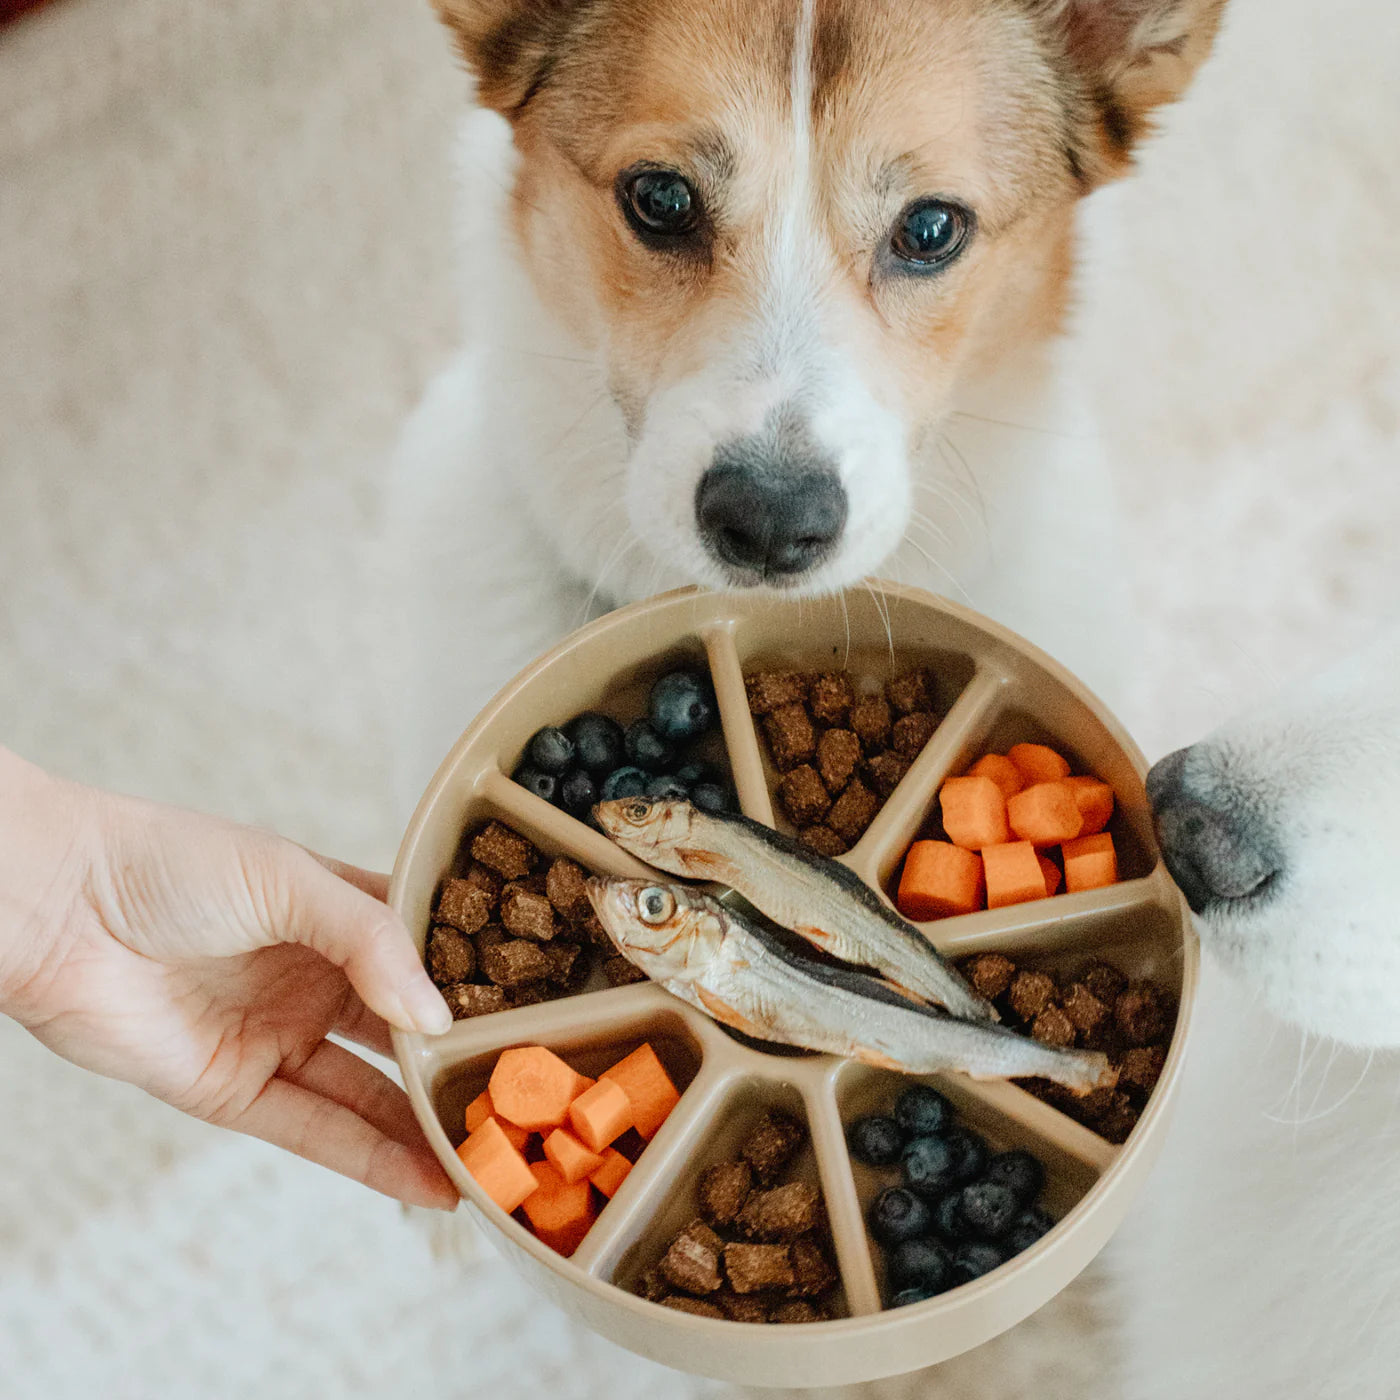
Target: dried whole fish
[[739, 974], [818, 899]]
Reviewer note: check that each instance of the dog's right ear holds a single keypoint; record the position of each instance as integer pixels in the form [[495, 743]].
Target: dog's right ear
[[510, 45]]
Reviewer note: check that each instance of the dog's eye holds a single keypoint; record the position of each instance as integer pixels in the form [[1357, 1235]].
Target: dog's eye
[[931, 233], [660, 203]]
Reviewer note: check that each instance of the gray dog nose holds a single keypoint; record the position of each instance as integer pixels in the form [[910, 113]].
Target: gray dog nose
[[776, 520], [1216, 849]]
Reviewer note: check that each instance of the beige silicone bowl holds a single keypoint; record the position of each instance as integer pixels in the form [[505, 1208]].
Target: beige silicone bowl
[[998, 690]]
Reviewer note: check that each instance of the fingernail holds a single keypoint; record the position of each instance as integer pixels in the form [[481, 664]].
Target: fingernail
[[426, 1009]]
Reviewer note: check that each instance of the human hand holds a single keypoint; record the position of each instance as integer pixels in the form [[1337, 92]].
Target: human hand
[[207, 963]]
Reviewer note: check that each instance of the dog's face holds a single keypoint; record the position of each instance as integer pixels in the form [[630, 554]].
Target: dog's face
[[1283, 829], [789, 228]]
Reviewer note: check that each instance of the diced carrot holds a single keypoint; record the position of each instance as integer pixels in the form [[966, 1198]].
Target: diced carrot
[[1095, 799], [1038, 763], [533, 1088], [496, 1166], [602, 1114], [478, 1111], [1051, 871], [1045, 814], [648, 1088], [1013, 874], [560, 1213], [974, 813], [612, 1173], [1090, 862], [940, 879], [1001, 771], [569, 1157]]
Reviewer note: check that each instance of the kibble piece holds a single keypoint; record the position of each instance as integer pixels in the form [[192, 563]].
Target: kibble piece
[[1103, 979], [484, 879], [528, 994], [780, 1215], [451, 957], [1119, 1121], [853, 811], [527, 915], [1031, 993], [1142, 1014], [505, 851], [698, 1307], [1090, 1015], [592, 925], [1053, 1027], [803, 795], [770, 690], [831, 697], [812, 1271], [912, 691], [751, 1268], [532, 884], [563, 958], [466, 1000], [772, 1145], [723, 1190], [887, 771], [618, 972], [797, 1311], [791, 737], [463, 906], [692, 1262], [515, 961], [487, 939], [740, 1309], [823, 840], [912, 732], [565, 890], [1141, 1068], [990, 974], [870, 719], [838, 753], [651, 1286]]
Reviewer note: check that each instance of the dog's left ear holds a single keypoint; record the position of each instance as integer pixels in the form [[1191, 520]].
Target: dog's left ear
[[509, 44], [1132, 56]]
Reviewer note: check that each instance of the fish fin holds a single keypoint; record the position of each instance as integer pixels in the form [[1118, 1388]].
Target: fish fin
[[701, 864], [818, 937], [722, 1011]]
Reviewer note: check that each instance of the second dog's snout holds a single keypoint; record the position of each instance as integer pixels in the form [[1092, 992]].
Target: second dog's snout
[[772, 520], [1216, 849]]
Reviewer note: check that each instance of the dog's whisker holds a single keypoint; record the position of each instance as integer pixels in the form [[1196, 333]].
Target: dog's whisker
[[1006, 423]]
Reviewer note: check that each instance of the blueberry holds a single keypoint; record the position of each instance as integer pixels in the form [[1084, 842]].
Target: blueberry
[[988, 1209], [624, 782], [693, 773], [598, 742], [536, 780], [876, 1141], [971, 1152], [577, 793], [922, 1111], [712, 797], [682, 705], [947, 1218], [920, 1264], [646, 748], [1028, 1227], [899, 1215], [551, 751], [1020, 1172], [971, 1261], [931, 1166], [664, 785], [905, 1296]]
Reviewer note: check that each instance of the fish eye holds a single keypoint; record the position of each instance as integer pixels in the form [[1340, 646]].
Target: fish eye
[[661, 205], [931, 233], [637, 811], [656, 905]]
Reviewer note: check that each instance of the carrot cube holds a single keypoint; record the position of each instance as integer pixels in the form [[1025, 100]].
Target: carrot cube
[[560, 1212], [569, 1157], [1095, 800], [1001, 771], [1051, 871], [940, 879], [612, 1173], [1090, 862], [478, 1111], [496, 1166], [648, 1087], [602, 1114], [1038, 763], [974, 813], [1045, 814], [1013, 874], [533, 1088]]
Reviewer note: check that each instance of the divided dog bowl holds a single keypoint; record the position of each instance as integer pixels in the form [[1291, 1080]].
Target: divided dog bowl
[[997, 691]]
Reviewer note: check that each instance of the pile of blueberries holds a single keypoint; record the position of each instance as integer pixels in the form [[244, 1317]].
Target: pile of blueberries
[[960, 1213], [593, 758]]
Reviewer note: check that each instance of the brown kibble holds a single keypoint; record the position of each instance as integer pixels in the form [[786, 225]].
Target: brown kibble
[[651, 1286], [753, 1267], [1142, 1014], [527, 915], [618, 972], [870, 719], [813, 1273], [487, 939], [487, 881], [530, 884], [831, 697], [1091, 1016], [853, 811], [565, 890], [505, 851], [770, 690], [912, 732], [1120, 1119], [1103, 979], [803, 795], [692, 1262], [529, 994], [823, 840], [780, 1215], [772, 1145], [1031, 993], [796, 1312], [514, 962], [838, 753], [990, 974], [791, 737], [1140, 1069], [739, 1309], [912, 691], [466, 1000], [562, 958], [592, 926], [697, 1307], [723, 1189], [463, 906], [887, 771], [451, 957], [1053, 1027]]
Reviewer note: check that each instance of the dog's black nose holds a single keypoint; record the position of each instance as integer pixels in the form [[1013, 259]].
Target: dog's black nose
[[775, 520], [1216, 848]]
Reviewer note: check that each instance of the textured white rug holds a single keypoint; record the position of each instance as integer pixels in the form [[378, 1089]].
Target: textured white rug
[[224, 273]]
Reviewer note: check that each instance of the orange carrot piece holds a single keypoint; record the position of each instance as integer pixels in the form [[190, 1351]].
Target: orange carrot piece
[[569, 1157], [974, 813], [1013, 874], [602, 1114], [1051, 871], [478, 1111], [648, 1088], [940, 879], [1090, 862], [1045, 814], [1038, 763], [560, 1213], [497, 1167], [1095, 799], [533, 1088], [612, 1173], [1001, 771]]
